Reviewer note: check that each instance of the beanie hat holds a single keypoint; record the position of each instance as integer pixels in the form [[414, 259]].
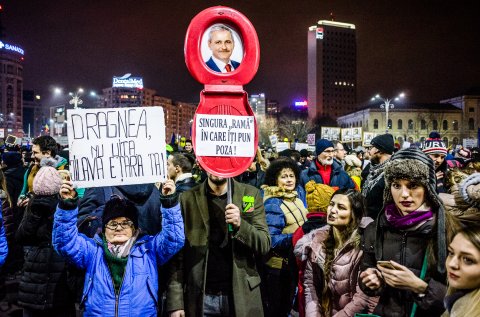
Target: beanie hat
[[384, 142], [321, 145], [434, 145], [12, 158], [47, 181], [353, 160], [413, 165], [318, 196], [118, 207]]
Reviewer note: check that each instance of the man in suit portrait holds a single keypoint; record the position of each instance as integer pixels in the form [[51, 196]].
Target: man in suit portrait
[[221, 43]]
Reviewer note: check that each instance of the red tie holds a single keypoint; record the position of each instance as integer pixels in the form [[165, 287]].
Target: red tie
[[228, 67]]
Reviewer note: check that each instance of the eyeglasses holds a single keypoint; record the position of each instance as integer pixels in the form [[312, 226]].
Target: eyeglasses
[[113, 225]]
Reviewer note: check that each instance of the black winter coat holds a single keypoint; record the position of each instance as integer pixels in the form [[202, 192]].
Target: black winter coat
[[43, 284], [406, 248]]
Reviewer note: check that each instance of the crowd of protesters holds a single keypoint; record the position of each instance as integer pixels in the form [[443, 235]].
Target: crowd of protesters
[[387, 229]]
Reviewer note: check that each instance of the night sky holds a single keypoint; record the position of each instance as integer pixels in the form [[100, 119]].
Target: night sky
[[429, 49]]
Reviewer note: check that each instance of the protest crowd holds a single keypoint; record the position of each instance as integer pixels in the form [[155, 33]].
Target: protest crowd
[[382, 230]]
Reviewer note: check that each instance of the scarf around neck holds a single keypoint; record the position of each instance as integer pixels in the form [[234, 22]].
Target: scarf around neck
[[123, 250], [404, 222]]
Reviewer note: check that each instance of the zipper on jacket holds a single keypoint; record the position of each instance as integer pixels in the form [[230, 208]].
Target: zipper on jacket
[[404, 244]]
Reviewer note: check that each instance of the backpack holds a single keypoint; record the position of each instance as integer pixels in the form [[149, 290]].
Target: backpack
[[92, 224]]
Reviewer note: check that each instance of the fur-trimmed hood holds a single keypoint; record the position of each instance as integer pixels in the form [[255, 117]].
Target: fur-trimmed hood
[[278, 192]]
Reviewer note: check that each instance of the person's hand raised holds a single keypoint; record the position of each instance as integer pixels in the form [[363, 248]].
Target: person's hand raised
[[168, 187], [67, 191]]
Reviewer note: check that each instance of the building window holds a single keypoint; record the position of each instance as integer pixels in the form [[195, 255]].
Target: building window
[[445, 125], [455, 125], [400, 124], [471, 124], [375, 124], [410, 124], [423, 124], [435, 125], [389, 123], [445, 140], [471, 109], [455, 141]]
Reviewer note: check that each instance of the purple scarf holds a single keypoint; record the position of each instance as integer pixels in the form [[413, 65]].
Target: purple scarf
[[399, 221]]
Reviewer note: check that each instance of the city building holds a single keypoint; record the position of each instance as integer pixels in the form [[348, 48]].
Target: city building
[[11, 86], [272, 108], [410, 122], [35, 116], [127, 91], [332, 69], [469, 104], [178, 117]]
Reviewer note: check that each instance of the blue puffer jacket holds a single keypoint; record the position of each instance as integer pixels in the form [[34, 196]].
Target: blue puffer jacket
[[3, 241], [338, 177], [138, 293]]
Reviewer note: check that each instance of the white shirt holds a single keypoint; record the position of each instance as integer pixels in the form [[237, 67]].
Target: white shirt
[[221, 65]]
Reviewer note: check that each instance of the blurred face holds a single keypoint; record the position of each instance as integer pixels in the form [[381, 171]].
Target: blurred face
[[286, 179], [408, 196], [222, 45], [374, 155], [37, 154], [326, 157], [171, 169], [437, 159], [118, 230], [463, 263], [339, 212], [188, 147], [340, 152], [216, 180]]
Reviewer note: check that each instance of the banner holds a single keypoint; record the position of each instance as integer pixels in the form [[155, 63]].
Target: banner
[[116, 146], [311, 139], [330, 133], [273, 140], [352, 134], [224, 135], [367, 138]]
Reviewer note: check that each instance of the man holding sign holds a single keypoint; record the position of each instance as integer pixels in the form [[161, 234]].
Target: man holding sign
[[217, 269]]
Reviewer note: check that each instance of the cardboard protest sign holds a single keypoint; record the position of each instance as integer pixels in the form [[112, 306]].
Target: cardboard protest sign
[[330, 133], [224, 135], [116, 146]]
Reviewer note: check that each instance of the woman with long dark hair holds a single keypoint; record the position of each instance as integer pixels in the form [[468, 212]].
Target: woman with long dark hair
[[334, 257]]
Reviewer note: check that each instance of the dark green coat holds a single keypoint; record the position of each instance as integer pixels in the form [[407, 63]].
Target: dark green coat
[[188, 269]]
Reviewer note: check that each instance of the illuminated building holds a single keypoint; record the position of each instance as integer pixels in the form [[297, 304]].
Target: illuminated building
[[11, 86], [127, 91], [332, 69], [35, 116], [178, 117]]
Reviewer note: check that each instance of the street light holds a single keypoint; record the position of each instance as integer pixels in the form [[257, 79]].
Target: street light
[[75, 101], [387, 105]]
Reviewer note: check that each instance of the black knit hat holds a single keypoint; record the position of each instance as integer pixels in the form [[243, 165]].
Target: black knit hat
[[119, 207], [414, 165], [384, 142]]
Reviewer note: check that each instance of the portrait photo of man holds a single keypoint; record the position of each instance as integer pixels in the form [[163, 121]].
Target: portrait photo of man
[[221, 42]]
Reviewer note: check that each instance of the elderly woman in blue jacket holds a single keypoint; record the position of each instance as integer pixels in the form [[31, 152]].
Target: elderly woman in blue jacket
[[121, 264]]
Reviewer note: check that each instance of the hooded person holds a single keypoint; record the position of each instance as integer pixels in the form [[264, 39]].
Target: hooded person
[[43, 288], [435, 148], [409, 235]]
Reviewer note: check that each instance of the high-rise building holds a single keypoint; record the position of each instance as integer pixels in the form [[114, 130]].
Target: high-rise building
[[332, 69], [127, 91], [178, 117], [35, 116], [11, 86]]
